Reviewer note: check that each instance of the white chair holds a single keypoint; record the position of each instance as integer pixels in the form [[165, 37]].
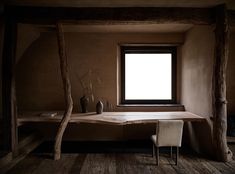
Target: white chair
[[168, 134]]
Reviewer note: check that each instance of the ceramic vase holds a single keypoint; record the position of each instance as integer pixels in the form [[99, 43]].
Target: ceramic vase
[[99, 107], [84, 104]]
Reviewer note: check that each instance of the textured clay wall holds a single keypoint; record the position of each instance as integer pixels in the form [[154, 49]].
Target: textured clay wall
[[39, 85], [196, 96], [26, 35], [231, 76]]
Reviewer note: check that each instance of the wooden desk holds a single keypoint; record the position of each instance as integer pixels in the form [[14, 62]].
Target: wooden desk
[[112, 118]]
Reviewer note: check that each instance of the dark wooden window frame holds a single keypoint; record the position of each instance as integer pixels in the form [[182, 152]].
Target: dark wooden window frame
[[149, 49]]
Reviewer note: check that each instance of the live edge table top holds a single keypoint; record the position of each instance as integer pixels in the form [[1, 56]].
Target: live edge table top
[[111, 118]]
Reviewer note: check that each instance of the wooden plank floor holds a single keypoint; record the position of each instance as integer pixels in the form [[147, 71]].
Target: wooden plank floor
[[119, 163]]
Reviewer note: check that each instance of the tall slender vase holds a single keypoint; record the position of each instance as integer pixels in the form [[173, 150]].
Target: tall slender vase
[[84, 104]]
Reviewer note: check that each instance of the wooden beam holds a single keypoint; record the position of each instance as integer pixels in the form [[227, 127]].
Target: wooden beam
[[49, 15], [67, 91], [8, 86], [221, 150]]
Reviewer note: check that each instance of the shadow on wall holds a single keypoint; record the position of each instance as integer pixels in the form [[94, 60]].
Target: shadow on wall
[[38, 81], [196, 88], [1, 48], [201, 144], [230, 75], [231, 125]]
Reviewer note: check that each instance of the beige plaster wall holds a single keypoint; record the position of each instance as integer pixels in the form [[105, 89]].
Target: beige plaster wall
[[231, 76], [39, 85], [196, 96], [26, 35]]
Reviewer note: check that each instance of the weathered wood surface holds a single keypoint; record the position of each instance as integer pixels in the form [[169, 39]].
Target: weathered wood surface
[[121, 15], [49, 15], [113, 118], [121, 163], [67, 91], [26, 145], [9, 104], [221, 150], [230, 139]]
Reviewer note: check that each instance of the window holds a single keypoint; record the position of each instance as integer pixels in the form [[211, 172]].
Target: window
[[148, 74]]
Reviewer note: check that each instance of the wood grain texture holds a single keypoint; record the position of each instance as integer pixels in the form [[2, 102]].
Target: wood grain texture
[[49, 15], [222, 152], [26, 146], [67, 91], [121, 163], [113, 118]]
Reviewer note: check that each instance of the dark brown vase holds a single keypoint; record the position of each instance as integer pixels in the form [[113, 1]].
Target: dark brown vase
[[99, 107], [84, 104]]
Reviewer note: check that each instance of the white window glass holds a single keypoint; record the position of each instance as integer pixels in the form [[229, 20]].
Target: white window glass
[[148, 76]]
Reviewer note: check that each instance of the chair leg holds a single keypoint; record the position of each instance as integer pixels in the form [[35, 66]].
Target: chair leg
[[171, 152], [153, 151], [157, 155], [177, 155]]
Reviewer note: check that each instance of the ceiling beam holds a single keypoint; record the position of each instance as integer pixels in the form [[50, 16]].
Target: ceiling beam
[[50, 15]]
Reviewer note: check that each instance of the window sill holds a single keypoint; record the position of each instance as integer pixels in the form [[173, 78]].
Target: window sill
[[150, 105]]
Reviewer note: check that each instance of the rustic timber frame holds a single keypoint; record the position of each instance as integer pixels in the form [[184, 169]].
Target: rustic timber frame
[[67, 91], [51, 15], [222, 151]]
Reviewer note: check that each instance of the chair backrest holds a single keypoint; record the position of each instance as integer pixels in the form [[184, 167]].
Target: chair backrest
[[169, 133]]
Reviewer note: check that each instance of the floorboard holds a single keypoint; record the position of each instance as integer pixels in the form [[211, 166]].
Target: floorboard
[[120, 163], [78, 163]]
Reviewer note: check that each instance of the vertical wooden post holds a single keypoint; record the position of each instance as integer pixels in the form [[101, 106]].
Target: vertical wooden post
[[8, 86], [221, 149], [67, 91]]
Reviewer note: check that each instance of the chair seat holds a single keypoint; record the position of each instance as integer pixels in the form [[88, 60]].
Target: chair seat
[[154, 139]]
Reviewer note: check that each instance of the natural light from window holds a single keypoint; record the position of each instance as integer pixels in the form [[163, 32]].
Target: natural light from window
[[148, 76]]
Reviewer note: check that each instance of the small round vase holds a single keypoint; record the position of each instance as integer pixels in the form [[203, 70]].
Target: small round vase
[[99, 107]]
